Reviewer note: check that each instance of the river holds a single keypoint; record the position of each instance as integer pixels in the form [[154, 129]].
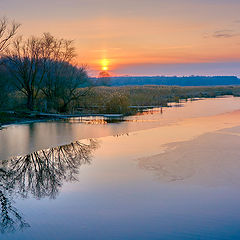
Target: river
[[170, 173]]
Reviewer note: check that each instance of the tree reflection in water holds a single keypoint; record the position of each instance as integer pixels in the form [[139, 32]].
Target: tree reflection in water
[[39, 174]]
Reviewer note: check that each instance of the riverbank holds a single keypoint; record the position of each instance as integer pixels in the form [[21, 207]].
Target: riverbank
[[117, 100], [14, 117], [24, 116], [18, 138]]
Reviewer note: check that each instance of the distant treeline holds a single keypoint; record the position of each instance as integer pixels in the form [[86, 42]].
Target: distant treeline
[[174, 81]]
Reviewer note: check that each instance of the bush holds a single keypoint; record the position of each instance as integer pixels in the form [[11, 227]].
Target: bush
[[118, 104]]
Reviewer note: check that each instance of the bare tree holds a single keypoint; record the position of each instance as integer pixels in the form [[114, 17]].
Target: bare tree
[[5, 87], [45, 64], [63, 79], [27, 61], [7, 32], [64, 88], [63, 53]]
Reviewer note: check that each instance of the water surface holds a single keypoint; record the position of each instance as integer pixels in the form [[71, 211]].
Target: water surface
[[167, 175]]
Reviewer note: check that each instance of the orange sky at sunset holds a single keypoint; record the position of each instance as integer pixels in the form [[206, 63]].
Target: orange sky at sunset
[[133, 36]]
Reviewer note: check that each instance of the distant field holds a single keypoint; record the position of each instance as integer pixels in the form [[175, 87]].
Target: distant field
[[155, 95]]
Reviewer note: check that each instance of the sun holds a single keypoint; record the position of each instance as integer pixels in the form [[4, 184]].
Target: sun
[[104, 68], [104, 64]]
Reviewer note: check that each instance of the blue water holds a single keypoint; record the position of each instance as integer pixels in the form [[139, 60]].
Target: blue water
[[96, 189]]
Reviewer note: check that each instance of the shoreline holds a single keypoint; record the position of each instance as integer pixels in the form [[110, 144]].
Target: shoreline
[[45, 117], [33, 117]]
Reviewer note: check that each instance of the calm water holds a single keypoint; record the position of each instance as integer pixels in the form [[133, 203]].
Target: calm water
[[171, 174]]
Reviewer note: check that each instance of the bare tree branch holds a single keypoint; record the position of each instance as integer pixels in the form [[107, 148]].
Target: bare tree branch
[[7, 33]]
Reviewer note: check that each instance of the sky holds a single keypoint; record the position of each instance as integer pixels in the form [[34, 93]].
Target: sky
[[139, 37]]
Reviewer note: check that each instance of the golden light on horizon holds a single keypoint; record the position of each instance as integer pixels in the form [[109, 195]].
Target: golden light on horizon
[[104, 68], [104, 64]]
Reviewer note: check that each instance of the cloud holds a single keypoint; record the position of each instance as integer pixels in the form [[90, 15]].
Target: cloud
[[224, 34]]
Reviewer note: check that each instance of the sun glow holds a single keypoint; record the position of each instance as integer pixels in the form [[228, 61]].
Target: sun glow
[[104, 68], [104, 63]]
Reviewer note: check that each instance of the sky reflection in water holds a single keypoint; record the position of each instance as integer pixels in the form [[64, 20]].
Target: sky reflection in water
[[165, 181]]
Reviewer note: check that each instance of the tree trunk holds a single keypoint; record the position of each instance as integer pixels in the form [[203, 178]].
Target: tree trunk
[[30, 101]]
